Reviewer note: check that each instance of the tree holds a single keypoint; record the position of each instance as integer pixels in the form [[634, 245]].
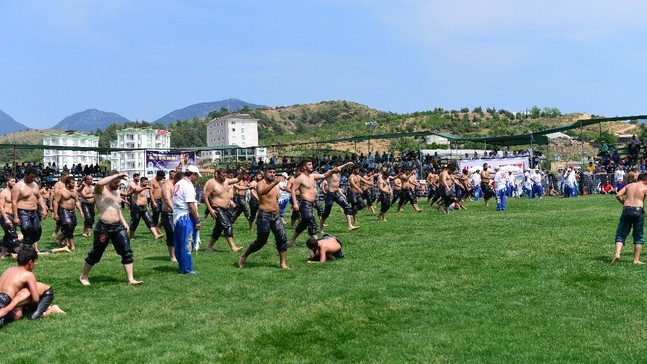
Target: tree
[[606, 137], [478, 110], [535, 112]]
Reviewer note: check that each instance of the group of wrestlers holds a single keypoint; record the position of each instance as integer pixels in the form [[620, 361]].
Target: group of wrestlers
[[174, 205]]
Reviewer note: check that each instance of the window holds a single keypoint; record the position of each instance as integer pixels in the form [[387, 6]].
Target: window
[[242, 130]]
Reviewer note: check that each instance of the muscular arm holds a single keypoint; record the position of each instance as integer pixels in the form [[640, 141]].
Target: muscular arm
[[57, 201], [106, 181], [166, 196], [32, 287], [15, 193], [194, 212], [78, 206], [208, 189], [2, 210], [293, 192], [268, 187], [620, 194]]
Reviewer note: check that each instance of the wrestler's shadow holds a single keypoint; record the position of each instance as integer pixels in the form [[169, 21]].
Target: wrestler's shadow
[[165, 268], [606, 259], [159, 258], [104, 279], [253, 265]]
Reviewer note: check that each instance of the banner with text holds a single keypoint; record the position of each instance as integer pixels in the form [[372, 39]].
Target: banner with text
[[516, 165], [176, 161]]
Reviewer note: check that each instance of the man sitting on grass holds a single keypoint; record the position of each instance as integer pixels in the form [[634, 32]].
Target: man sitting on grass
[[18, 287], [633, 216], [328, 247]]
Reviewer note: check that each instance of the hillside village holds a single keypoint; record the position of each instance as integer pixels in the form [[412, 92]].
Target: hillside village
[[284, 128]]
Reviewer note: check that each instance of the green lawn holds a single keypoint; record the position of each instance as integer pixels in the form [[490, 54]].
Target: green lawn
[[529, 284]]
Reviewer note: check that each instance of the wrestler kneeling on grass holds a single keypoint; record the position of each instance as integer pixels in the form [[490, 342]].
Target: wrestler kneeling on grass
[[328, 247]]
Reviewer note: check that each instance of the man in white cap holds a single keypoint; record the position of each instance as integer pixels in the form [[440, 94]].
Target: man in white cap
[[186, 221], [500, 187], [284, 194]]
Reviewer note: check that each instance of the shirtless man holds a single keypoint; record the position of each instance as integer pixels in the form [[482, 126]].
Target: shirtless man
[[355, 194], [46, 192], [269, 219], [432, 181], [59, 185], [385, 193], [407, 194], [486, 188], [306, 186], [446, 186], [167, 210], [632, 175], [10, 239], [253, 200], [367, 184], [64, 203], [140, 210], [632, 198], [334, 194], [156, 197], [86, 196], [19, 283], [296, 215], [240, 194], [327, 247], [217, 197], [397, 188], [130, 190], [111, 227], [25, 198]]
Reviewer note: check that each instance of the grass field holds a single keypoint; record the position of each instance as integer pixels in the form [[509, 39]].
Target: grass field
[[529, 284]]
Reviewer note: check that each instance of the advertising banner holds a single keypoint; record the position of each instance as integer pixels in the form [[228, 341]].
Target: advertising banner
[[516, 165], [167, 161]]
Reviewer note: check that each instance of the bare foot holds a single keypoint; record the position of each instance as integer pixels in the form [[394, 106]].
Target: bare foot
[[352, 228], [159, 236], [133, 282], [208, 249], [325, 225], [284, 266], [53, 235], [66, 249], [173, 259], [615, 260], [292, 244], [419, 210], [236, 249], [84, 281], [56, 309], [241, 261], [638, 262]]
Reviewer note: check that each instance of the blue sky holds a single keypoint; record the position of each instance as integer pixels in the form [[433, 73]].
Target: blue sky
[[143, 59]]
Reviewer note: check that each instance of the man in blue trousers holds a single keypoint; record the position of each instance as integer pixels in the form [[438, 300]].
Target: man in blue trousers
[[186, 221]]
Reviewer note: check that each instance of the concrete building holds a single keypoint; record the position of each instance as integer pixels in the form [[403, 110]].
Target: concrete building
[[234, 129], [131, 162], [71, 138]]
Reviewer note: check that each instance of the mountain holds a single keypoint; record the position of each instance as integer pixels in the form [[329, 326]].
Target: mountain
[[9, 125], [203, 109], [90, 120]]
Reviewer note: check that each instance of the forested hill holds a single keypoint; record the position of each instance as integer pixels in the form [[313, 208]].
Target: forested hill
[[338, 119]]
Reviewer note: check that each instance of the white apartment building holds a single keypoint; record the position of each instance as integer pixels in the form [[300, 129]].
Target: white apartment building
[[233, 129], [131, 162], [69, 158]]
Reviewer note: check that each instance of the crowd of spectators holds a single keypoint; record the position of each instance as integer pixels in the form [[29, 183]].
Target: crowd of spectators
[[50, 173]]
